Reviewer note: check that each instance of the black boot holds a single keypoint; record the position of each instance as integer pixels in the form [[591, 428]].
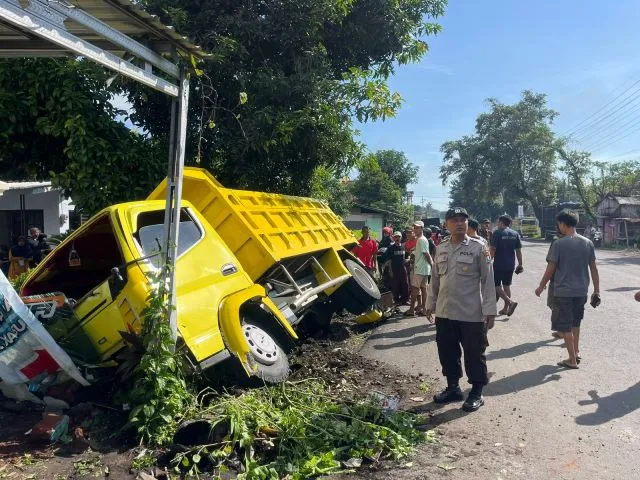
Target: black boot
[[450, 394], [474, 401]]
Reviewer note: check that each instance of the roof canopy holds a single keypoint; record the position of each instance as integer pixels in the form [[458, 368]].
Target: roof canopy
[[109, 32], [114, 33]]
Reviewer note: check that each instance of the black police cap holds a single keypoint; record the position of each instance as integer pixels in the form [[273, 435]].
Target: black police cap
[[456, 212]]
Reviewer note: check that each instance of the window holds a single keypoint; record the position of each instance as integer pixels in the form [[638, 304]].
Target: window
[[151, 229]]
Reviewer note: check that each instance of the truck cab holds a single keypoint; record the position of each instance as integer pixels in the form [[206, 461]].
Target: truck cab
[[105, 270]]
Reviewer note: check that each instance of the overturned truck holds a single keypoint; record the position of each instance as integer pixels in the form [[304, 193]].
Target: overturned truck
[[251, 266]]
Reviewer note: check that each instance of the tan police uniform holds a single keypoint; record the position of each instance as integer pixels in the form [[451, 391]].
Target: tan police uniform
[[462, 294]]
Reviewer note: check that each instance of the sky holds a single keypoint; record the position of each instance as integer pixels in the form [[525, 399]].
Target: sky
[[581, 53]]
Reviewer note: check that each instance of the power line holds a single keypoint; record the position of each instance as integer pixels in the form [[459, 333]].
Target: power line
[[573, 129], [632, 151], [603, 128], [594, 122], [618, 139], [613, 134]]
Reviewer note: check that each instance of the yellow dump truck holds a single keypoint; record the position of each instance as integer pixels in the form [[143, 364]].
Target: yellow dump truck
[[250, 266]]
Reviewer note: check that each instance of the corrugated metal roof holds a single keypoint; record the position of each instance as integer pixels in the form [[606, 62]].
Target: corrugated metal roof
[[4, 186], [632, 200], [122, 15]]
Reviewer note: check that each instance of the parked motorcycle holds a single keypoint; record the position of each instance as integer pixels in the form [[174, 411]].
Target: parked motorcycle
[[597, 239]]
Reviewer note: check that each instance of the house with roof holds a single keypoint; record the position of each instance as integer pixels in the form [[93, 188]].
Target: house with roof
[[619, 219], [32, 204], [374, 218]]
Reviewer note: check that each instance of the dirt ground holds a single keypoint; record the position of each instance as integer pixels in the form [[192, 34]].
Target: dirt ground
[[334, 358]]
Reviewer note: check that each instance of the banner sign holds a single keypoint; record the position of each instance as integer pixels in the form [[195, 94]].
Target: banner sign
[[28, 353]]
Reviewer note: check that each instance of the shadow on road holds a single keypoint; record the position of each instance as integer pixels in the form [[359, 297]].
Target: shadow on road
[[623, 260], [616, 405], [523, 380], [409, 342], [443, 414], [623, 289], [404, 333], [521, 349]]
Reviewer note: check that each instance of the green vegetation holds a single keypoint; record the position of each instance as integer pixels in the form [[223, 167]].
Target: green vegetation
[[57, 123], [160, 395], [297, 430]]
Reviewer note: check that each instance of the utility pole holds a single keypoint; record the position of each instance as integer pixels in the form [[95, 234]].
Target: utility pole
[[409, 197]]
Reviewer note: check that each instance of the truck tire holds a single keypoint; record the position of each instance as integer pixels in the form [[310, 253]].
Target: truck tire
[[359, 292], [268, 348]]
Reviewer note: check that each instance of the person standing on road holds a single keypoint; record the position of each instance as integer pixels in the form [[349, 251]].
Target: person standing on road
[[366, 250], [463, 298], [396, 255], [485, 232], [505, 247], [570, 261], [472, 231], [422, 263]]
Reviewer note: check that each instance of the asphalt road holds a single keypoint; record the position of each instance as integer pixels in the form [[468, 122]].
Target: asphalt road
[[539, 421]]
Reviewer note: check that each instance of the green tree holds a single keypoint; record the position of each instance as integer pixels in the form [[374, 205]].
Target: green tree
[[397, 167], [57, 123], [510, 159], [285, 80], [578, 167], [330, 187], [374, 188]]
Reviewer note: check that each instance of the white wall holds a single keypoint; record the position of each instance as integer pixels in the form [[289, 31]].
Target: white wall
[[52, 203]]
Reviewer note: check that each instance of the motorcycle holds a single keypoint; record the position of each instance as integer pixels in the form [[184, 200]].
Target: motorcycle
[[597, 239]]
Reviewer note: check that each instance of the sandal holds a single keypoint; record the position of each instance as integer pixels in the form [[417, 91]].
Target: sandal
[[502, 312], [512, 308], [409, 313], [578, 359], [566, 364]]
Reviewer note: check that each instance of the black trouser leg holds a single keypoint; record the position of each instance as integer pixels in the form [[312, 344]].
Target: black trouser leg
[[395, 287], [403, 284], [448, 341], [474, 345]]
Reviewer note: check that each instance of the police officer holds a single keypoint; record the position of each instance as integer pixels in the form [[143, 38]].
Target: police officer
[[463, 298]]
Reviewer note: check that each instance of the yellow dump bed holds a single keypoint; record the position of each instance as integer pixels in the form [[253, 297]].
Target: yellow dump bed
[[261, 229]]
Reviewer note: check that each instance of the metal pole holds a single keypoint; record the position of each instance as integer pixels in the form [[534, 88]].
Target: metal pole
[[178, 136]]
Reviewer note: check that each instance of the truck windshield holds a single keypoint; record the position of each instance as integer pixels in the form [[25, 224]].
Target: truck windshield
[[150, 234]]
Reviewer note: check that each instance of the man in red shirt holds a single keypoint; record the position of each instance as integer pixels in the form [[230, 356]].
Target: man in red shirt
[[366, 250]]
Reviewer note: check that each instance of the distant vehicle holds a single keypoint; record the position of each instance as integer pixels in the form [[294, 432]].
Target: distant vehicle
[[526, 226], [432, 221], [547, 218]]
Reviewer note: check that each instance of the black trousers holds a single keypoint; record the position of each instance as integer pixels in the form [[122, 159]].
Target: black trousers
[[400, 286], [454, 337]]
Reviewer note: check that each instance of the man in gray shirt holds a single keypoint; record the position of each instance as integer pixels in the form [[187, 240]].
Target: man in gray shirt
[[569, 262]]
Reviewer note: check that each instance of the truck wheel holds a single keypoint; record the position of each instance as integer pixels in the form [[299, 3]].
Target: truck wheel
[[359, 292], [267, 351]]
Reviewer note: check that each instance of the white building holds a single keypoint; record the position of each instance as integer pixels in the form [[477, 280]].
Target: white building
[[32, 204]]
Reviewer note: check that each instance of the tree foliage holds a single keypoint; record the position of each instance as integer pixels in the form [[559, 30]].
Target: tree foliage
[[285, 80], [57, 123], [329, 186], [397, 167], [592, 180], [382, 182], [511, 158]]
